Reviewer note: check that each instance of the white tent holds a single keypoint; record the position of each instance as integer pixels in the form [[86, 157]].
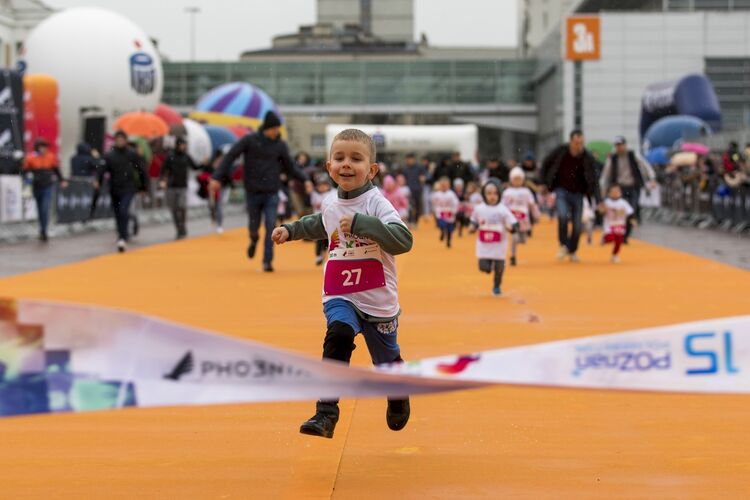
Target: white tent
[[417, 138]]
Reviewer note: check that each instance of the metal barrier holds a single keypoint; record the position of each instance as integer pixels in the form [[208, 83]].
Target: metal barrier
[[704, 203], [72, 214]]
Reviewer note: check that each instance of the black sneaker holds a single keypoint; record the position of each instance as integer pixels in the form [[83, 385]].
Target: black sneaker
[[397, 414], [251, 250], [512, 260], [267, 267], [321, 424]]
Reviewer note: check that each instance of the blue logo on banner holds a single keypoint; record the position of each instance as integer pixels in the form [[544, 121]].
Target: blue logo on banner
[[703, 346], [142, 73]]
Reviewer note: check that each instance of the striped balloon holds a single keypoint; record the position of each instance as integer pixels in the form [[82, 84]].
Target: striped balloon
[[237, 99]]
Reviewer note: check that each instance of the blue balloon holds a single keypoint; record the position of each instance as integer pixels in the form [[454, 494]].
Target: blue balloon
[[219, 136], [658, 156], [668, 131]]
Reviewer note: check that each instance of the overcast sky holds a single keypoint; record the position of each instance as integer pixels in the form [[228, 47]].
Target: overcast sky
[[225, 28]]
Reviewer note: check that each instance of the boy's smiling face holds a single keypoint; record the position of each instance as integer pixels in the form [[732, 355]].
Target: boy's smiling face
[[350, 165]]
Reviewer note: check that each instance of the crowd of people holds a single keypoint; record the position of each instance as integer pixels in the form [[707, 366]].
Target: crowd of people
[[566, 184]]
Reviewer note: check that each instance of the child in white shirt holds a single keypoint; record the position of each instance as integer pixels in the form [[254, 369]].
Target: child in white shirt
[[445, 203], [520, 201], [360, 285], [492, 219], [317, 197], [616, 212]]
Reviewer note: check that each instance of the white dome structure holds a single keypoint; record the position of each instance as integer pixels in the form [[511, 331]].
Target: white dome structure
[[101, 61]]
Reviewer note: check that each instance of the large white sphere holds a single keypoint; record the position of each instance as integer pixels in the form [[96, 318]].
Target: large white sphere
[[99, 59]]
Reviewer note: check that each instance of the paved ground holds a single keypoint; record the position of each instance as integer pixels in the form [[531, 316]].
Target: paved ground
[[717, 245], [33, 255], [504, 442]]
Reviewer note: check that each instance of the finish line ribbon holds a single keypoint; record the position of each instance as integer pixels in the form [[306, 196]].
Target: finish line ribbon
[[67, 358]]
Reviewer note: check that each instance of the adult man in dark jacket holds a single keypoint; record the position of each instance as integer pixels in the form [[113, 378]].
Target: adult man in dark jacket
[[85, 162], [265, 158], [569, 171], [127, 175], [174, 178]]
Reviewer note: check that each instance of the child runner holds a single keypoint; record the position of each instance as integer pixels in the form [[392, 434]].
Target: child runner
[[394, 195], [492, 219], [616, 212], [445, 203], [520, 200], [281, 208], [322, 192], [360, 289]]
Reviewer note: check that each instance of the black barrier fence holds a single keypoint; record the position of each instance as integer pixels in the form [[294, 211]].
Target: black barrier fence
[[79, 202], [706, 203]]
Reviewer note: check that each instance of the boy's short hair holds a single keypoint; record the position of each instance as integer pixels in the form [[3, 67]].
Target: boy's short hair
[[356, 135]]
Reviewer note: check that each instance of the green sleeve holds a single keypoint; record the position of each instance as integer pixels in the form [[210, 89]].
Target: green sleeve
[[394, 238], [309, 227]]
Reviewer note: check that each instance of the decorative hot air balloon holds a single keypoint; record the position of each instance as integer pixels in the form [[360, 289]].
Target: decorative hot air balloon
[[199, 143], [236, 103], [220, 136]]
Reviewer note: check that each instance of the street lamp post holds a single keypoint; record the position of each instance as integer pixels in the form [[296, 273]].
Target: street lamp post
[[192, 11]]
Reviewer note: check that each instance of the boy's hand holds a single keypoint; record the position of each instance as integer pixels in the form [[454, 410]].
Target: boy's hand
[[280, 235], [634, 223], [346, 223]]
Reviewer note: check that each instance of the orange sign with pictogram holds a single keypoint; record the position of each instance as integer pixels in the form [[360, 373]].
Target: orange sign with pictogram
[[583, 38]]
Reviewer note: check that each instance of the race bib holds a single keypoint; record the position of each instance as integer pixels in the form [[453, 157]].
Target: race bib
[[491, 233], [619, 230], [447, 215], [352, 270], [518, 215]]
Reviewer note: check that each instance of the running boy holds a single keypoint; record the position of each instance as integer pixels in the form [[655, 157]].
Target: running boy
[[446, 204], [360, 289], [520, 200], [616, 212], [492, 219]]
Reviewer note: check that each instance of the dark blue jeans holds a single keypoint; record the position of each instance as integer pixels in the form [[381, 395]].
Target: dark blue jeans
[[632, 195], [121, 208], [569, 209], [267, 205], [43, 198]]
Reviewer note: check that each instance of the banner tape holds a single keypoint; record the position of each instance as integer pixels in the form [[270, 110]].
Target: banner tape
[[58, 357]]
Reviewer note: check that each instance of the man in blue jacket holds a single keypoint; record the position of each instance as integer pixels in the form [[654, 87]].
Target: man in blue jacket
[[265, 158]]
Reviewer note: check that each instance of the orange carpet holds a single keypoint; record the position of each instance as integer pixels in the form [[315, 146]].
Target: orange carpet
[[498, 443]]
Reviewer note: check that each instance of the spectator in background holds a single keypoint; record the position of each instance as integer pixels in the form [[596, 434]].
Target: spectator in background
[[631, 172], [127, 175], [42, 168], [85, 162], [174, 178], [266, 157], [494, 169], [569, 171], [732, 158], [416, 176]]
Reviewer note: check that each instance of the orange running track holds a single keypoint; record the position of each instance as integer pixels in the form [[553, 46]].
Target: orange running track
[[498, 443]]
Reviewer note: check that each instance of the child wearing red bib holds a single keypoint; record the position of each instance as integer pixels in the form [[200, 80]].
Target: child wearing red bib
[[520, 200], [446, 205], [492, 219], [360, 288], [616, 212]]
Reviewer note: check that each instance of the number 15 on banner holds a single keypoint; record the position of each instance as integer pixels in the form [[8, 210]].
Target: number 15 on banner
[[582, 38]]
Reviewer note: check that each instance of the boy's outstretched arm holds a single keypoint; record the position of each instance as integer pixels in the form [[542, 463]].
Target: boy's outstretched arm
[[394, 237], [309, 227]]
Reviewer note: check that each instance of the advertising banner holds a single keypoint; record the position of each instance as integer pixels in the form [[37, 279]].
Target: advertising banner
[[62, 358]]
